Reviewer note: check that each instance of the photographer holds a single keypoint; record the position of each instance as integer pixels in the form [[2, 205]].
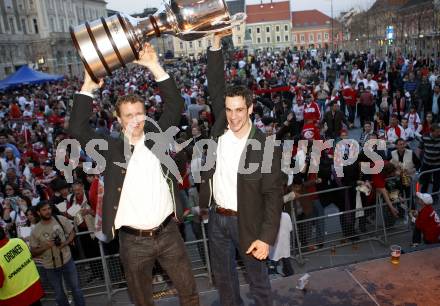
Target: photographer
[[50, 241]]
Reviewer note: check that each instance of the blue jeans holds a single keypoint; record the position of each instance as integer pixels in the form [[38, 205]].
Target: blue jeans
[[223, 242], [68, 272]]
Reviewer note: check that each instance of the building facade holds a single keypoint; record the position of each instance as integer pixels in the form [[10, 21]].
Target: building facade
[[197, 47], [415, 23], [313, 29], [269, 26], [36, 33]]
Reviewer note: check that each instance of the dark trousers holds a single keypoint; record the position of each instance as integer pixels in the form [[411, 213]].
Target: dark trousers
[[223, 242], [425, 179], [351, 113], [138, 255]]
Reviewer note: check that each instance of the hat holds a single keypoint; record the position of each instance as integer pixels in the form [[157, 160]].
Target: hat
[[425, 197]]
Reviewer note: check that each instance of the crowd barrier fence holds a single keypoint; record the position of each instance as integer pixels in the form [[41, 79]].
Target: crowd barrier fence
[[104, 275]]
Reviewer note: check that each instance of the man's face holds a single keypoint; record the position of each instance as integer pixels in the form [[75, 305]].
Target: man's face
[[367, 127], [195, 131], [369, 77], [237, 113], [45, 212], [404, 123], [77, 189], [401, 146], [436, 133], [132, 117], [393, 121], [3, 140]]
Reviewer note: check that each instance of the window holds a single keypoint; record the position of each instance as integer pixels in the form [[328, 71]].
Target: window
[[325, 36], [311, 37], [23, 26], [18, 25], [319, 36], [294, 37], [268, 39], [181, 45], [277, 28], [200, 43], [278, 39], [286, 38], [239, 39], [302, 38], [258, 30], [238, 28], [35, 25], [62, 24], [250, 31], [267, 29], [286, 28], [190, 44], [258, 40], [52, 25], [11, 25]]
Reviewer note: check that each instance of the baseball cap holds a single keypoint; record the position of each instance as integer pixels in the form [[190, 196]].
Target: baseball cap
[[425, 197]]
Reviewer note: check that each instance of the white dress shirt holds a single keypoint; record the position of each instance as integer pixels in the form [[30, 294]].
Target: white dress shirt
[[145, 197], [229, 150]]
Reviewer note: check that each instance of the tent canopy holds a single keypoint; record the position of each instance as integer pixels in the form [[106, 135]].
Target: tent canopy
[[25, 76]]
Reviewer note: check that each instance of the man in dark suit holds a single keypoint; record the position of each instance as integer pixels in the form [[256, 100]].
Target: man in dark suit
[[245, 209], [139, 198]]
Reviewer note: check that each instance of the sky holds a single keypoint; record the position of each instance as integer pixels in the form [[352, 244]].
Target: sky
[[137, 6]]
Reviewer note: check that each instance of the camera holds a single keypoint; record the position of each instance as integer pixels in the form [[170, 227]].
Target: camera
[[57, 241]]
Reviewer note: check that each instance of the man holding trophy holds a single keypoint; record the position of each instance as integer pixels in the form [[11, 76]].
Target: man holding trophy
[[139, 198]]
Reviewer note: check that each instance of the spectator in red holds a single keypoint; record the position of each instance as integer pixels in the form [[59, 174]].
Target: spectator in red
[[310, 130], [393, 132], [427, 221], [350, 95], [311, 110], [366, 103], [14, 111]]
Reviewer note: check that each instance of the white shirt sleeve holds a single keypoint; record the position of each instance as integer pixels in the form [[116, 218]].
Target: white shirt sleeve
[[86, 94], [165, 77]]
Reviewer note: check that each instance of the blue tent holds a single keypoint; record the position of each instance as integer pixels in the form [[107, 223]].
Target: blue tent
[[25, 76]]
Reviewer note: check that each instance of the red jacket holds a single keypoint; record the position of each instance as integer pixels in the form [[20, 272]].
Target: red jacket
[[428, 223], [310, 132], [350, 96], [312, 112]]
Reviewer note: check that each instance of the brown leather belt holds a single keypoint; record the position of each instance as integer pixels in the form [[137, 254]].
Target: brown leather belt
[[225, 212], [147, 233]]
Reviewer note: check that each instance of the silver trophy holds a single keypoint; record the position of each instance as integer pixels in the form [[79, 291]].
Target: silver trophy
[[107, 44]]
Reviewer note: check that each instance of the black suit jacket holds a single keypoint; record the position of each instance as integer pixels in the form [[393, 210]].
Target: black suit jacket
[[114, 174], [259, 196]]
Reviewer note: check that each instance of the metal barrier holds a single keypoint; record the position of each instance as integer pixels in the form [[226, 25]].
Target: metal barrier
[[104, 275], [355, 225]]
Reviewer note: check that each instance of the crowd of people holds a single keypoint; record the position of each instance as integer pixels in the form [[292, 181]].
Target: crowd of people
[[297, 96]]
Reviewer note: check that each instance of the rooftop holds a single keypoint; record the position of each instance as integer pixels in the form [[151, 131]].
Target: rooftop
[[267, 12]]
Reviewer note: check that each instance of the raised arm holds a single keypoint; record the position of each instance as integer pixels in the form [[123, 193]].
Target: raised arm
[[173, 101], [216, 75], [82, 110]]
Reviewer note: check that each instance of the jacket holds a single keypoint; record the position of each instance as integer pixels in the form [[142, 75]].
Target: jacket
[[259, 198], [114, 174]]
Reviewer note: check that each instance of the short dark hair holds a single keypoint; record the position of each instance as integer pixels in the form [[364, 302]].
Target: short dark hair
[[130, 98], [240, 91], [399, 139], [41, 204]]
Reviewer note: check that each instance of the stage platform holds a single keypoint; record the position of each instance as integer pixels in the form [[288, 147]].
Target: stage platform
[[415, 281]]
